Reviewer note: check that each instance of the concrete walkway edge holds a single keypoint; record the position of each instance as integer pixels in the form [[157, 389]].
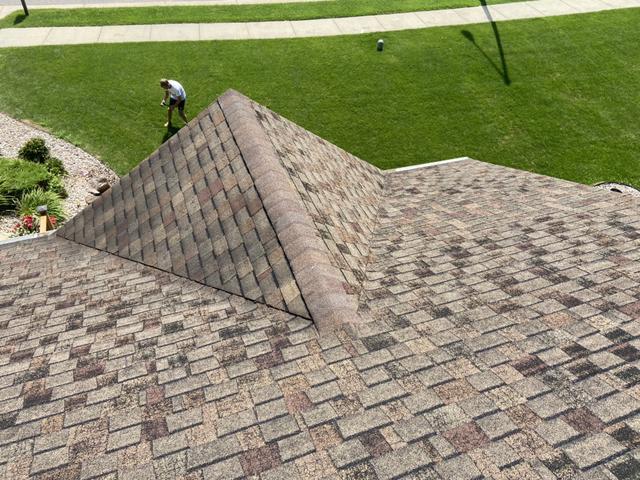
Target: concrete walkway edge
[[24, 37]]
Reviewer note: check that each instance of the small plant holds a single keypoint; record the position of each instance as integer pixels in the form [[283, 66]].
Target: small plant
[[35, 150], [56, 186], [25, 226], [55, 166], [29, 224], [31, 200]]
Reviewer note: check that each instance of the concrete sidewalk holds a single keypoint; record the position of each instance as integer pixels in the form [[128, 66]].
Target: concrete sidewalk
[[23, 37]]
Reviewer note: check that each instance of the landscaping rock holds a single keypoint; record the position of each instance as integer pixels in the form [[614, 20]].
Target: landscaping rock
[[103, 187]]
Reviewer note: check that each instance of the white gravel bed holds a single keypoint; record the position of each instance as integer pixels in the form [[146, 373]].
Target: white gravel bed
[[620, 187], [83, 169]]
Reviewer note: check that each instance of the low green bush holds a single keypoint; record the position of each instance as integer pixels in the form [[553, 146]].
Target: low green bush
[[56, 186], [35, 150], [55, 166], [31, 200], [4, 199], [19, 176]]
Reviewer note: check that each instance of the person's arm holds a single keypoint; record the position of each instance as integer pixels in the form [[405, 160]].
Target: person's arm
[[164, 99]]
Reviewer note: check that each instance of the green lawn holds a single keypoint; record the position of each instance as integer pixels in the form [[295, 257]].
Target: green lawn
[[231, 13], [570, 110]]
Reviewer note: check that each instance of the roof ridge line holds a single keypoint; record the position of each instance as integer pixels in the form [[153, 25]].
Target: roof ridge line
[[321, 284]]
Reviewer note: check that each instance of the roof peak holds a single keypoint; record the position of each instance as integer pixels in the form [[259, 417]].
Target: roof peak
[[226, 202]]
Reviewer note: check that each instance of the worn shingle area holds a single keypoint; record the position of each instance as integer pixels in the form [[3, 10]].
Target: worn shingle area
[[498, 336]]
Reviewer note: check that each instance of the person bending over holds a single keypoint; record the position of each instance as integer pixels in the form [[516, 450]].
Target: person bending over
[[177, 98]]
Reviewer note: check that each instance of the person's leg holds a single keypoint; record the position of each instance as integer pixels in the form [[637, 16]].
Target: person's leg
[[181, 111], [172, 104]]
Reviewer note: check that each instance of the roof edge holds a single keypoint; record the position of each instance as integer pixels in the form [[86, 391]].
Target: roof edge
[[428, 164], [24, 238], [320, 283]]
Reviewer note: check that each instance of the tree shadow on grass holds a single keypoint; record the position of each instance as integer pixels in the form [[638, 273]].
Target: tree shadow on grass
[[19, 18], [171, 131], [502, 70]]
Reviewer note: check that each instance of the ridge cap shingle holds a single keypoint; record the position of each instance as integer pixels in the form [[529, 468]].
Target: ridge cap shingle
[[321, 284]]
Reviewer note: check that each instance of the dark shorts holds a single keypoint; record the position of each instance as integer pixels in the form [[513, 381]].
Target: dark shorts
[[181, 105]]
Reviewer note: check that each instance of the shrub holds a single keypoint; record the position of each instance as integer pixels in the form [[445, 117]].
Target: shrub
[[56, 186], [31, 200], [19, 176], [55, 166], [35, 150]]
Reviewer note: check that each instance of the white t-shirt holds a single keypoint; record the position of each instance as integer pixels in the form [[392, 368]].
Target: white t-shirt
[[176, 91]]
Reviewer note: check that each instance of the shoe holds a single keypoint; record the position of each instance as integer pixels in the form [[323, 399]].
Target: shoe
[[167, 125]]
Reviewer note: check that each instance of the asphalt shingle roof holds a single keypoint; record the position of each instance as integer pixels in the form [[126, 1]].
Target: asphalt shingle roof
[[192, 209], [250, 203], [497, 329]]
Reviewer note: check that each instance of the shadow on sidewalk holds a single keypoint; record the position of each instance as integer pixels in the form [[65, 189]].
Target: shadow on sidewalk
[[503, 70]]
